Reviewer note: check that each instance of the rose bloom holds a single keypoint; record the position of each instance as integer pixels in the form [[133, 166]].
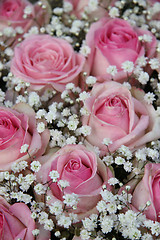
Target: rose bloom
[[44, 60], [148, 189], [18, 127], [84, 171], [80, 7], [121, 116], [12, 14], [16, 222], [113, 42]]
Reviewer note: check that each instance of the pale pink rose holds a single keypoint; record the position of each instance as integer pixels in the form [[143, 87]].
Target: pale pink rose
[[12, 12], [120, 115], [43, 60], [112, 42], [148, 189], [80, 7], [16, 222], [84, 171], [18, 127]]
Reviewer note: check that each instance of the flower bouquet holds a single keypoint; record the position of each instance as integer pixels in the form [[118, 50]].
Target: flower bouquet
[[79, 119]]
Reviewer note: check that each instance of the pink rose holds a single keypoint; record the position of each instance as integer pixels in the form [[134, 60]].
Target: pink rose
[[120, 115], [16, 222], [12, 12], [148, 189], [84, 171], [80, 7], [18, 127], [44, 60], [112, 42]]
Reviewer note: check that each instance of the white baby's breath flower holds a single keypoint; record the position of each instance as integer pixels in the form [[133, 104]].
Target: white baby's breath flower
[[35, 232], [56, 208], [24, 148], [33, 99], [71, 199], [67, 7], [85, 130], [84, 234], [54, 175], [149, 97], [114, 12], [154, 63], [63, 183], [90, 80], [113, 181], [35, 166], [27, 10], [48, 225], [143, 77], [85, 50], [119, 160], [107, 141], [40, 189], [64, 221], [40, 127], [101, 206], [112, 70], [128, 66]]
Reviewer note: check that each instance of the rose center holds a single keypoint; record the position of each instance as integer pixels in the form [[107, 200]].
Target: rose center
[[9, 8], [6, 128], [73, 165], [114, 110]]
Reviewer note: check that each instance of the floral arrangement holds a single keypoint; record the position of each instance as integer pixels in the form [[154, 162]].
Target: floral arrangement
[[79, 119]]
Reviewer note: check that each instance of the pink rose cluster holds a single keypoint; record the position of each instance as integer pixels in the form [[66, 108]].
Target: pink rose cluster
[[120, 115], [18, 127], [113, 42], [43, 60], [82, 169], [12, 13]]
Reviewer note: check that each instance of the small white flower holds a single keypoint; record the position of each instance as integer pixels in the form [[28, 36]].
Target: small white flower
[[27, 10], [67, 7], [101, 206], [63, 183], [35, 166], [91, 80], [128, 66], [143, 77], [24, 148], [85, 130], [54, 175], [84, 234], [48, 225], [56, 208], [35, 232], [33, 99], [85, 50], [114, 12], [40, 127], [107, 141], [149, 97], [119, 160], [71, 199], [112, 70], [154, 63], [40, 189], [64, 221]]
